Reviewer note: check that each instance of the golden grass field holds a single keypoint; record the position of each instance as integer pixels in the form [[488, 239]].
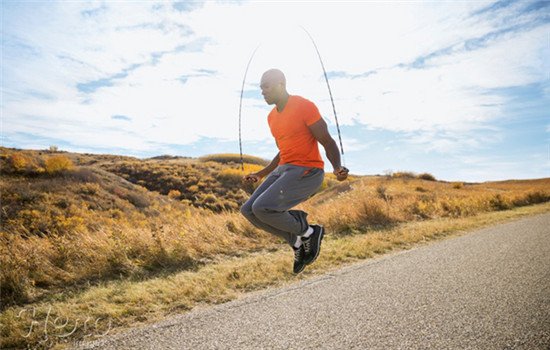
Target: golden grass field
[[82, 237]]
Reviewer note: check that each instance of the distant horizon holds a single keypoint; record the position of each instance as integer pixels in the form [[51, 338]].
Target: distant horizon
[[459, 90]]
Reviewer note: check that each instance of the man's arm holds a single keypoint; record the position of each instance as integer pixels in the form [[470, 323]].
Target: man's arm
[[268, 169], [320, 132], [257, 176]]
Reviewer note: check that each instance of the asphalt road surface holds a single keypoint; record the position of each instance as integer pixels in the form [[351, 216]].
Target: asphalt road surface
[[489, 289]]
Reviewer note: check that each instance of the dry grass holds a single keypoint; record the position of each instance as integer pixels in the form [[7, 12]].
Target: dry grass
[[88, 241], [210, 185], [122, 246], [90, 226], [381, 201]]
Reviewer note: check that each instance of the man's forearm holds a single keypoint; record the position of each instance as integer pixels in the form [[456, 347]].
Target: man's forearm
[[333, 154], [268, 169]]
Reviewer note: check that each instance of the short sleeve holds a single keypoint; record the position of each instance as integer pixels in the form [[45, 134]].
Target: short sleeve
[[311, 113]]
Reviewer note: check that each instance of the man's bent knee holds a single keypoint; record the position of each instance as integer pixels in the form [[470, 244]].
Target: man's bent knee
[[259, 209]]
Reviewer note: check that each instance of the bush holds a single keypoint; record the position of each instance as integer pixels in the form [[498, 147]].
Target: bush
[[19, 161], [534, 197], [174, 194], [209, 198], [498, 202], [403, 175], [233, 158], [139, 200], [89, 188], [375, 213], [424, 208], [537, 197], [426, 176], [84, 174], [22, 163], [458, 185], [58, 164], [382, 192]]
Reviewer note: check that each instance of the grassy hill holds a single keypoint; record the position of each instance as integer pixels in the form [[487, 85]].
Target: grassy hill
[[209, 185], [212, 182], [70, 218], [72, 221]]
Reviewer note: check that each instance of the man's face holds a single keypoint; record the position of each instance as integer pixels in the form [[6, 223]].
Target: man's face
[[271, 89]]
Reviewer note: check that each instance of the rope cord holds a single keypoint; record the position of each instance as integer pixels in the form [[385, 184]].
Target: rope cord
[[330, 94], [241, 104]]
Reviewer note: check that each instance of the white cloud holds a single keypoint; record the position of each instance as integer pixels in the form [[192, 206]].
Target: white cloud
[[445, 98], [515, 60]]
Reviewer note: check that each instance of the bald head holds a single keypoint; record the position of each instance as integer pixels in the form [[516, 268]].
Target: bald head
[[274, 76], [273, 87]]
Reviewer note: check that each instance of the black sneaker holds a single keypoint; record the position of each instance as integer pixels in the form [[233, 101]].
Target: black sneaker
[[299, 255], [312, 244]]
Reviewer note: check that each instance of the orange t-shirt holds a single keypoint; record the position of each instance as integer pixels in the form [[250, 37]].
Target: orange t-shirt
[[290, 128]]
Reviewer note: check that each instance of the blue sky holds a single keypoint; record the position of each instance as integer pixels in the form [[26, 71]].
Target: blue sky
[[457, 89]]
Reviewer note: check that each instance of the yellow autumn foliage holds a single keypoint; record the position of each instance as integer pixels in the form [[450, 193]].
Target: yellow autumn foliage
[[57, 164]]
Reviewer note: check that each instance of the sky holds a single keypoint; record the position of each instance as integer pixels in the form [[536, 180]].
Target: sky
[[459, 89]]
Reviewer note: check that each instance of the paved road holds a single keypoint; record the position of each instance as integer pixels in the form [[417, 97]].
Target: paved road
[[489, 289]]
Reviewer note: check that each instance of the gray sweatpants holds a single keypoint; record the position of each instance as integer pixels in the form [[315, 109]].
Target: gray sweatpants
[[286, 186]]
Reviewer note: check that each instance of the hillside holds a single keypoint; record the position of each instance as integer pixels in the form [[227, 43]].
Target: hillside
[[209, 185], [65, 215], [65, 224], [72, 221], [70, 218], [209, 182]]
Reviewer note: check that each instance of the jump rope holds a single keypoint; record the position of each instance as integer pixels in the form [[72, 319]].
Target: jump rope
[[329, 92]]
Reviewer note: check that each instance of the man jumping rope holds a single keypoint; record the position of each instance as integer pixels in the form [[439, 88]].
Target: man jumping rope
[[295, 173]]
